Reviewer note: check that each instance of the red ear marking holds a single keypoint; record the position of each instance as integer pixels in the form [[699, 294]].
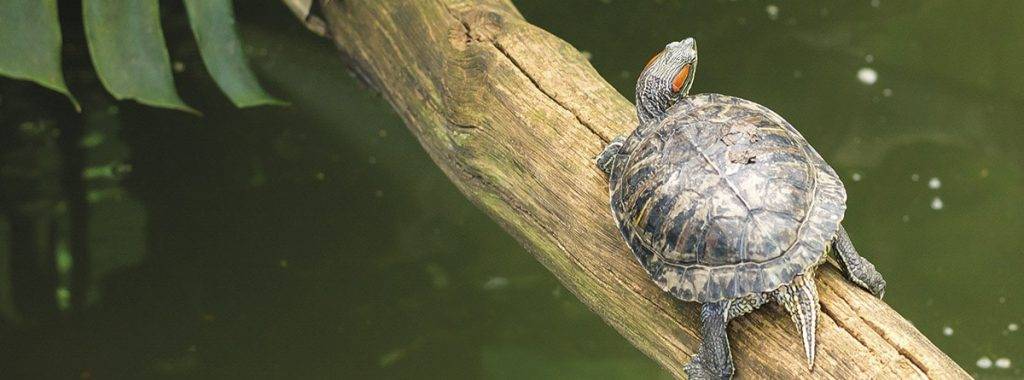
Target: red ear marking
[[654, 58], [680, 79]]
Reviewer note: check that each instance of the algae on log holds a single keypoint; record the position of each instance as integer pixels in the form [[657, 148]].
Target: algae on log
[[515, 116]]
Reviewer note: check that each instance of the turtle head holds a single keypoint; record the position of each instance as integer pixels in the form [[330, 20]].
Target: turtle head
[[666, 79]]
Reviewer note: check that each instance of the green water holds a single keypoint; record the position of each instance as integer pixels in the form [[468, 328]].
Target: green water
[[319, 241]]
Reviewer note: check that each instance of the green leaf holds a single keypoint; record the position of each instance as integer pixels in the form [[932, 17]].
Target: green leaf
[[213, 23], [30, 43], [127, 48]]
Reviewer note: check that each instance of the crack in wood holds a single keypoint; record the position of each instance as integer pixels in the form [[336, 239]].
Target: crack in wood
[[533, 80], [899, 348], [468, 30], [920, 366], [841, 323]]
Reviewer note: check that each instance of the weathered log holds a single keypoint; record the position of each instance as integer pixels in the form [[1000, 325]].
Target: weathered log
[[514, 116]]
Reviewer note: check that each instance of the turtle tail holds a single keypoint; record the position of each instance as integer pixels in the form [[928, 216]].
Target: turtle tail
[[801, 301]]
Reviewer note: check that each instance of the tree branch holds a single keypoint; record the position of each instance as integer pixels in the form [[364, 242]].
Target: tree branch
[[515, 116]]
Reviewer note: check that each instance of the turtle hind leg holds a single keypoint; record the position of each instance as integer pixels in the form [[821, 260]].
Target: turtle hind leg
[[855, 267], [743, 306], [801, 301], [713, 359], [606, 159]]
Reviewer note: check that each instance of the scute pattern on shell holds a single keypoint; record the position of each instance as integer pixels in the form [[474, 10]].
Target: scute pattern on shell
[[723, 199]]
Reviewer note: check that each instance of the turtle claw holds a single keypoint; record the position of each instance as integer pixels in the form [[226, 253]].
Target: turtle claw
[[697, 370], [607, 157], [856, 267], [864, 274], [874, 282]]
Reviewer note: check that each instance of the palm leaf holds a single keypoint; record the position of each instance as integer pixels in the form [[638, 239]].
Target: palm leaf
[[30, 43]]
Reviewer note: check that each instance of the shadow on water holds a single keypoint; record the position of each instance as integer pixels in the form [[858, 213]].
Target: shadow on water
[[319, 241]]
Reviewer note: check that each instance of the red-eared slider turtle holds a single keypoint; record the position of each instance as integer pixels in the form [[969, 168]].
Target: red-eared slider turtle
[[726, 204]]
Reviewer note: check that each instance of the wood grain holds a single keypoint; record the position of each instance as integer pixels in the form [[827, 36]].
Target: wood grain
[[515, 116]]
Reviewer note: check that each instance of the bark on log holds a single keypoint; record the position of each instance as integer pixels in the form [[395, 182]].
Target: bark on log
[[515, 117]]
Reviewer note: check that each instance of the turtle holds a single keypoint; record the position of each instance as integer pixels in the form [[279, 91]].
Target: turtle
[[726, 204]]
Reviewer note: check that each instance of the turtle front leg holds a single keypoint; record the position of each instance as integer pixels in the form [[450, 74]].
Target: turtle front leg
[[857, 268], [713, 359], [607, 157]]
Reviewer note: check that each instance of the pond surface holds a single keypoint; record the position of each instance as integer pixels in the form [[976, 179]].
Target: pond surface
[[319, 240]]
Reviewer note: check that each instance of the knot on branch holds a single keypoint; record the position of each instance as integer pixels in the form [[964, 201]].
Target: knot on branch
[[475, 24]]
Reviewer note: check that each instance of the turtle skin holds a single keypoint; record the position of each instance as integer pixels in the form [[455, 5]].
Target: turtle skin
[[722, 198]]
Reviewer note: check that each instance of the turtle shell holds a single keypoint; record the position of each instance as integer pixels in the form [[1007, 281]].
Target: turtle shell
[[723, 198]]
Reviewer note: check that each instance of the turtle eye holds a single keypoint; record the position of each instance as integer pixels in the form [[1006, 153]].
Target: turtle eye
[[680, 79], [654, 58]]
